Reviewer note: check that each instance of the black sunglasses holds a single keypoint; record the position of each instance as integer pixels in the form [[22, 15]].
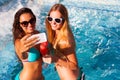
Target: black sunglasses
[[31, 21], [57, 20]]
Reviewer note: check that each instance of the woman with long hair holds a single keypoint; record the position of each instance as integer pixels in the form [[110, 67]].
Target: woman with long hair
[[62, 43], [27, 51]]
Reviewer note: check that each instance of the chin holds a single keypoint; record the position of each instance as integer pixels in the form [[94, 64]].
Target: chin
[[54, 28], [30, 32]]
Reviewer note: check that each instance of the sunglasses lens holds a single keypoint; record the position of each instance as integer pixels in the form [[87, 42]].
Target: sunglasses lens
[[25, 23], [32, 21], [49, 19], [58, 20]]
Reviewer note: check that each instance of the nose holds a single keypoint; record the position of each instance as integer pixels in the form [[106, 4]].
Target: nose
[[53, 22], [29, 24]]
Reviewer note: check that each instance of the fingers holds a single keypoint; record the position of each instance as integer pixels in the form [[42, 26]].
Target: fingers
[[27, 43], [26, 37]]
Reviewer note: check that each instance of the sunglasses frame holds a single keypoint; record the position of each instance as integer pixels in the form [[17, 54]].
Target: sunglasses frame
[[55, 19], [25, 23]]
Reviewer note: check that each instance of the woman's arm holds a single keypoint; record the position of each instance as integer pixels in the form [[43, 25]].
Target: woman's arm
[[67, 49], [23, 45], [69, 62]]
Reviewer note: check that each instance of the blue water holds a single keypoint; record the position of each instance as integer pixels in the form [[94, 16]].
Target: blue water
[[95, 25]]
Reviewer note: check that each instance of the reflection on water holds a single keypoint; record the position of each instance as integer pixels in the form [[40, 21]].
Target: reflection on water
[[96, 30]]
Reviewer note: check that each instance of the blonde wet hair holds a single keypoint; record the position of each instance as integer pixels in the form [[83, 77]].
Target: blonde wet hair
[[65, 33]]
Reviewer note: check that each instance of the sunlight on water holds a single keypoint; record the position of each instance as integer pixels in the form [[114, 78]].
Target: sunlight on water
[[95, 25]]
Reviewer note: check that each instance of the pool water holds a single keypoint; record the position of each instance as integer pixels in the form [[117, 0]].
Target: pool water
[[96, 28]]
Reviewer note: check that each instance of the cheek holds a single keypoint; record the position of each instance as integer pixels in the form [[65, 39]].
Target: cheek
[[60, 26], [33, 25], [24, 29]]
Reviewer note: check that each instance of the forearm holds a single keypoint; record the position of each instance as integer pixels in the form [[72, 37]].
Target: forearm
[[68, 64], [19, 48]]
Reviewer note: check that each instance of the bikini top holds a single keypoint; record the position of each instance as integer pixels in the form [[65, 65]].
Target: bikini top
[[33, 55]]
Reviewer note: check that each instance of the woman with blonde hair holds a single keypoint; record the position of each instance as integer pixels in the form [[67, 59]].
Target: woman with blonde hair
[[62, 43]]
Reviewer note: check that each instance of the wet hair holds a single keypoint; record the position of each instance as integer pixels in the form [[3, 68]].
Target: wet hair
[[62, 9], [17, 31], [65, 30]]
